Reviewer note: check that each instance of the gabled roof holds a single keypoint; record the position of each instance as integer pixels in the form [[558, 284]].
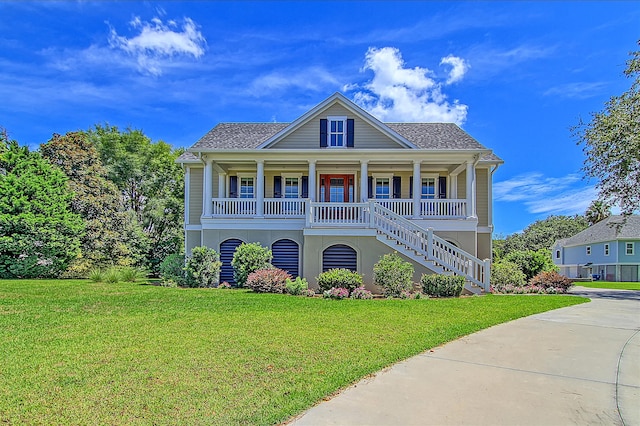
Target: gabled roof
[[238, 135], [611, 229]]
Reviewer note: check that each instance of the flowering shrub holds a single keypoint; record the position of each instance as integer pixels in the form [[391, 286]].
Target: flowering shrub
[[296, 287], [393, 274], [308, 293], [406, 294], [361, 293], [272, 280], [505, 276], [339, 278], [224, 284], [336, 293], [249, 258], [547, 280], [442, 285]]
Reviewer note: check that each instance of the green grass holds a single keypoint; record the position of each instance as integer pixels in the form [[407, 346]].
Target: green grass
[[79, 352], [611, 285]]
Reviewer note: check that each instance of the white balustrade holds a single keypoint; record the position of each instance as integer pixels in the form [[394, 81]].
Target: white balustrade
[[399, 206], [338, 214], [233, 207], [443, 208], [284, 207]]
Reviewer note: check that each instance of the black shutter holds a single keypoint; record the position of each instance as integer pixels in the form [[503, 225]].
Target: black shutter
[[305, 186], [411, 187], [277, 187], [397, 186], [233, 186], [442, 187], [350, 124], [323, 133], [370, 186]]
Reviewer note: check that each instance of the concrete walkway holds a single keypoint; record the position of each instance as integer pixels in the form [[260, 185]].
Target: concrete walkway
[[573, 366]]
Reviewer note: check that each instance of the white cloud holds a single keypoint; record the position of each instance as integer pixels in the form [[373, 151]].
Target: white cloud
[[579, 90], [158, 42], [546, 195], [459, 67], [396, 93]]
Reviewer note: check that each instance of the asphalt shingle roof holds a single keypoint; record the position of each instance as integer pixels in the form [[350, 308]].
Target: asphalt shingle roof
[[423, 135], [612, 228]]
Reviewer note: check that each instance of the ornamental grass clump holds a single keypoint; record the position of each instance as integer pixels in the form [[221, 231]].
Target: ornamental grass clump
[[337, 293], [248, 258], [361, 293], [442, 285], [393, 274], [270, 280], [339, 278]]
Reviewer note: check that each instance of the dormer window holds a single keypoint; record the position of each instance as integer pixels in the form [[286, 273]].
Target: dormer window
[[337, 131]]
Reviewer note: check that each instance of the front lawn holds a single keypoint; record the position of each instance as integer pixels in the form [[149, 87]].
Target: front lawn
[[610, 285], [77, 352]]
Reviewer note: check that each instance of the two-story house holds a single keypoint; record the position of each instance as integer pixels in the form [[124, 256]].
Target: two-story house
[[339, 188], [608, 250]]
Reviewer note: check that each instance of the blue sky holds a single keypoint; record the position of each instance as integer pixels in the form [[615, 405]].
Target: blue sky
[[515, 75]]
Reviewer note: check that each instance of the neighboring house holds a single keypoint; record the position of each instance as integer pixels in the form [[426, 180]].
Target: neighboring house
[[339, 188], [609, 250]]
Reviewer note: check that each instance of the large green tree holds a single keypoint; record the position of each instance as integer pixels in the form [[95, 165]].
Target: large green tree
[[39, 234], [611, 143], [151, 185], [543, 233], [113, 235], [597, 212]]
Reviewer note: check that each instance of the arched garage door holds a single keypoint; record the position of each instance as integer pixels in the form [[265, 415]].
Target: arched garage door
[[339, 256], [286, 256], [227, 248]]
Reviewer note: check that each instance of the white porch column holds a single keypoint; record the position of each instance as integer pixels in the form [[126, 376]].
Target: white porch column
[[187, 190], [471, 190], [364, 181], [417, 188], [260, 188], [222, 181], [207, 187], [454, 186], [312, 180]]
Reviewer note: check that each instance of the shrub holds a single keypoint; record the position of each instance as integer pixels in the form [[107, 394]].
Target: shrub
[[336, 293], [551, 280], [505, 276], [271, 280], [172, 269], [112, 275], [130, 274], [203, 268], [249, 258], [308, 293], [296, 287], [96, 275], [339, 278], [393, 274], [532, 262], [224, 284], [361, 293], [442, 285]]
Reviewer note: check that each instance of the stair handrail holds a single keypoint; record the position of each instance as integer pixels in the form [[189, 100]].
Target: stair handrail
[[430, 245]]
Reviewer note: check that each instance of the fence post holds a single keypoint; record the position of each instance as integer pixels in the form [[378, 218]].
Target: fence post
[[372, 222], [430, 243], [307, 206], [487, 275]]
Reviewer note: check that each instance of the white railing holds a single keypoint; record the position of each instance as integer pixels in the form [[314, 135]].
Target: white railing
[[234, 207], [284, 207], [443, 208], [400, 206], [338, 214], [429, 245]]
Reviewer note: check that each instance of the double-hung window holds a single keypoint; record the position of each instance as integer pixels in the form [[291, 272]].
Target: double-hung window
[[383, 188], [337, 131], [246, 187], [291, 187], [428, 188], [606, 249], [629, 249], [588, 250]]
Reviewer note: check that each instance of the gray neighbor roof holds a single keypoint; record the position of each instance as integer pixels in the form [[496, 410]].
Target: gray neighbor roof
[[611, 229], [251, 135]]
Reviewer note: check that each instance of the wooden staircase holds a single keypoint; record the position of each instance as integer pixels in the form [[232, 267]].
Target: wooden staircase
[[429, 250]]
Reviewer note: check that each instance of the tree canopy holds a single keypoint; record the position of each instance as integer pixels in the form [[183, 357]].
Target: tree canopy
[[611, 143], [39, 233]]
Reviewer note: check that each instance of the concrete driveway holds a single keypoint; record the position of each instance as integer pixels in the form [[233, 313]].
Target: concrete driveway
[[572, 366]]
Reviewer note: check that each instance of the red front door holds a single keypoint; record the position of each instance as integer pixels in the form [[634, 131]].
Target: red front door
[[336, 188]]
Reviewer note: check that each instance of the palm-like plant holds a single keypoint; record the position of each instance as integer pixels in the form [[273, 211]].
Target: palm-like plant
[[597, 212]]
